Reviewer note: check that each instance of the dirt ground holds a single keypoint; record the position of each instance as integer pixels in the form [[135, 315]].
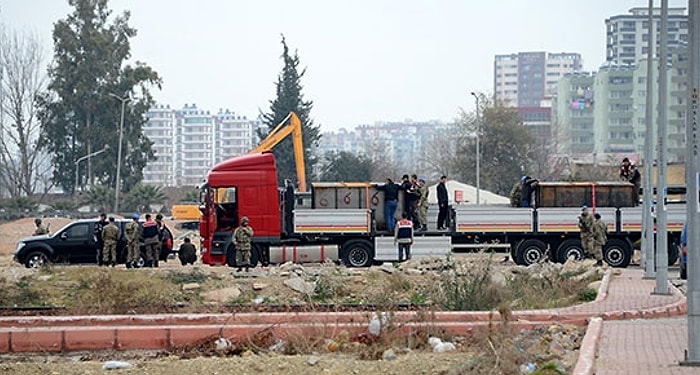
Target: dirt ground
[[412, 363], [467, 359]]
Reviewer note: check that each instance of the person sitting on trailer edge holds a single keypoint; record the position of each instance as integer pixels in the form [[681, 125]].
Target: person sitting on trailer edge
[[403, 236]]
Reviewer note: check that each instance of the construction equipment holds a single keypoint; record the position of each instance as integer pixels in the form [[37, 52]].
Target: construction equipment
[[290, 125]]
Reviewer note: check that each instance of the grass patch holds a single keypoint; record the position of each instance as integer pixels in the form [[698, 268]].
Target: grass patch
[[110, 291], [21, 293]]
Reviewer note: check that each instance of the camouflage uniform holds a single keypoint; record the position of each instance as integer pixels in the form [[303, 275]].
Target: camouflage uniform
[[133, 234], [516, 194], [600, 235], [585, 224], [40, 228], [423, 205], [242, 237], [110, 235]]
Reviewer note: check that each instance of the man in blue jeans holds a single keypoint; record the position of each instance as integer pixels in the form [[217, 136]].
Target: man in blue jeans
[[391, 201]]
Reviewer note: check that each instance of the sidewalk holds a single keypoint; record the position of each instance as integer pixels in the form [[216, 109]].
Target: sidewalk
[[638, 346]]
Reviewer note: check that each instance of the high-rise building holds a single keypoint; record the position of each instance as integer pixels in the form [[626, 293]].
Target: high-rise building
[[525, 79], [605, 112], [189, 141], [627, 34], [160, 129]]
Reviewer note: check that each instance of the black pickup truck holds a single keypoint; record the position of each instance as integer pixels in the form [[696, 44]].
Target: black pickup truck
[[76, 243]]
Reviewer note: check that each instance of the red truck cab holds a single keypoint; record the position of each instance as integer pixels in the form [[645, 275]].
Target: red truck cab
[[241, 186]]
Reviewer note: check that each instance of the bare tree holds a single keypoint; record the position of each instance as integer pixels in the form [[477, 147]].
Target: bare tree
[[24, 164], [441, 152]]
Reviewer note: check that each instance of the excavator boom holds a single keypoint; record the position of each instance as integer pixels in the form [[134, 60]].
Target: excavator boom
[[290, 125]]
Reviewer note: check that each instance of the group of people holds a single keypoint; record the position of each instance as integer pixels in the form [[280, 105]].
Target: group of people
[[153, 232], [415, 202], [594, 234], [415, 214]]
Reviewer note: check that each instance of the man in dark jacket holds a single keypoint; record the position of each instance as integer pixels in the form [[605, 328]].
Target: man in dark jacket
[[529, 186], [187, 252], [99, 226], [391, 201], [443, 203], [406, 187]]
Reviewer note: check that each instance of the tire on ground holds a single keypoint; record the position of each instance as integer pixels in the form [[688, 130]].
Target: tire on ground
[[570, 247], [530, 251], [617, 253], [36, 259], [357, 253]]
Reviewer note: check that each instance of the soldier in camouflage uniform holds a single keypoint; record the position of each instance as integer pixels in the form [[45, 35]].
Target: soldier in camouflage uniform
[[600, 235], [110, 236], [133, 234], [242, 237], [40, 228], [585, 224], [423, 205]]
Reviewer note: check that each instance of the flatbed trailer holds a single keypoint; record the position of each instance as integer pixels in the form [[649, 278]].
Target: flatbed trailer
[[343, 222]]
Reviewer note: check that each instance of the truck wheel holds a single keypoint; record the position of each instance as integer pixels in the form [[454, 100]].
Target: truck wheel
[[357, 253], [530, 252], [231, 256], [684, 271], [36, 259], [672, 252], [570, 248], [617, 253]]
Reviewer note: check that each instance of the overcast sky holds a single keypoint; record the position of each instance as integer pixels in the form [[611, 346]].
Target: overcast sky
[[366, 60]]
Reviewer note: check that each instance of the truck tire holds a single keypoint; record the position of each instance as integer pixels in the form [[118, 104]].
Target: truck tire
[[617, 253], [673, 252], [530, 251], [36, 259], [568, 248], [357, 253], [231, 256]]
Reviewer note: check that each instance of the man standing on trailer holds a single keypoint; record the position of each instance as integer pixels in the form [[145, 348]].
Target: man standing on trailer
[[391, 201], [443, 203], [403, 236], [423, 205], [585, 224]]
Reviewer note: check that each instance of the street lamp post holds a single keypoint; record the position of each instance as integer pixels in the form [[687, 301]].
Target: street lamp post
[[478, 153], [124, 100], [77, 162]]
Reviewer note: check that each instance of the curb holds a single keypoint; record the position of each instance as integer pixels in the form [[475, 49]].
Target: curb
[[585, 365]]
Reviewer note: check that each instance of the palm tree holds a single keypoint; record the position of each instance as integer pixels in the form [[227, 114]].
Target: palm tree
[[141, 197], [100, 196]]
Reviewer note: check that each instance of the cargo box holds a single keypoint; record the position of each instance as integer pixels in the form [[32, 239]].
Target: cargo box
[[576, 194]]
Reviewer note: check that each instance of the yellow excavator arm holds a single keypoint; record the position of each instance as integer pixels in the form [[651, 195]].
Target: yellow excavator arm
[[290, 125]]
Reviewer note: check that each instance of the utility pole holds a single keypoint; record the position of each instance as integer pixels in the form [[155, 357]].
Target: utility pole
[[661, 225], [648, 191], [478, 152], [118, 184], [692, 173]]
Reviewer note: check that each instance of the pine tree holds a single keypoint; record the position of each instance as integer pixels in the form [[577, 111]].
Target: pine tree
[[290, 99]]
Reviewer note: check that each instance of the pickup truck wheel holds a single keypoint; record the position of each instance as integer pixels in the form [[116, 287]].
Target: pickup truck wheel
[[529, 252], [570, 248], [617, 253], [36, 259], [357, 253]]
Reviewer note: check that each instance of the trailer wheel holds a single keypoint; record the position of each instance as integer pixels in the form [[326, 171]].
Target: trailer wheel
[[617, 253], [357, 253], [530, 252], [570, 248]]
